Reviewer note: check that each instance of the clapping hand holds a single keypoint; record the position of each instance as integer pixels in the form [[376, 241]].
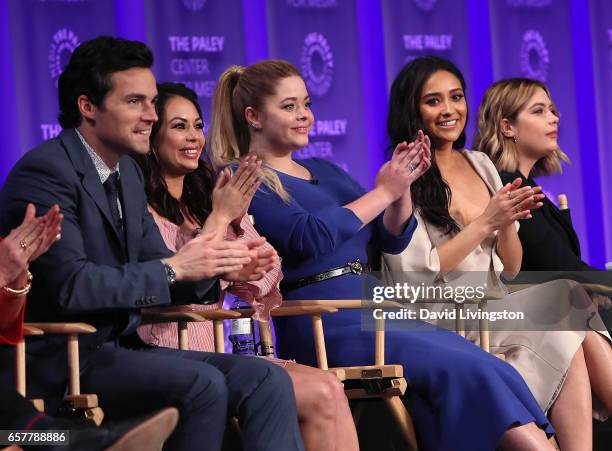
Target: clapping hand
[[233, 192], [28, 241], [512, 203], [601, 301], [205, 257], [263, 260], [416, 155], [408, 163]]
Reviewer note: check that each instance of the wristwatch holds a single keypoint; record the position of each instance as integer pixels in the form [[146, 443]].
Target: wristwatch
[[170, 273]]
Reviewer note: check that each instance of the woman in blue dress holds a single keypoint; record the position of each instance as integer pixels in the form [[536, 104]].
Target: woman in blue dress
[[319, 219]]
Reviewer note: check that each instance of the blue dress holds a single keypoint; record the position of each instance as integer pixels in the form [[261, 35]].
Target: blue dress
[[464, 398]]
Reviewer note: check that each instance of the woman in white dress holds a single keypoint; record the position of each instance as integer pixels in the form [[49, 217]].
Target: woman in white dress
[[467, 223]]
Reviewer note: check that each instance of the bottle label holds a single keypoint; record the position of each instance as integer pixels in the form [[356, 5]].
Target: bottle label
[[241, 326]]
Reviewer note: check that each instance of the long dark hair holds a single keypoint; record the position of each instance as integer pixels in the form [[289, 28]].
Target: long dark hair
[[197, 185], [430, 192]]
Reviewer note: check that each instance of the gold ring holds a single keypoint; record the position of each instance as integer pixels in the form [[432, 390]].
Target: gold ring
[[23, 245]]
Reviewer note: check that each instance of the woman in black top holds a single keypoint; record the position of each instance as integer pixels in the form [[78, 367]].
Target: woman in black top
[[517, 129]]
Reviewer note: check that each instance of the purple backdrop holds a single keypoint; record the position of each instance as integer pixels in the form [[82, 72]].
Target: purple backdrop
[[194, 42], [600, 162], [319, 38], [349, 52], [526, 42], [43, 36]]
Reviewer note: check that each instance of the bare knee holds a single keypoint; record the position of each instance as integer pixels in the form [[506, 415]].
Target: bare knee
[[337, 389], [525, 437], [321, 396]]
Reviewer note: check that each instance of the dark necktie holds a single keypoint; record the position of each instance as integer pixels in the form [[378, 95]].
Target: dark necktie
[[129, 323], [111, 187]]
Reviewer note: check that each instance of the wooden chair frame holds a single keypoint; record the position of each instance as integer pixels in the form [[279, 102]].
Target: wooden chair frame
[[388, 379], [75, 399], [20, 365], [182, 317], [370, 381]]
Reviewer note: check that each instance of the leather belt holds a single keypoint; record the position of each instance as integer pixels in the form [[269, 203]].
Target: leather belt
[[354, 267]]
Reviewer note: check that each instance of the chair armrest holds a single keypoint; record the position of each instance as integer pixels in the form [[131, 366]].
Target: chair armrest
[[343, 304], [183, 316], [64, 328], [298, 310], [170, 316], [31, 331], [219, 314], [291, 310], [596, 288], [517, 287], [589, 287]]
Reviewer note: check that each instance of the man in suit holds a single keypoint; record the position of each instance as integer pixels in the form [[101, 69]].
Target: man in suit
[[111, 261]]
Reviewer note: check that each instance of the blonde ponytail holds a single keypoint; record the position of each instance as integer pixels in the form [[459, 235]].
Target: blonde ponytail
[[237, 88], [222, 145]]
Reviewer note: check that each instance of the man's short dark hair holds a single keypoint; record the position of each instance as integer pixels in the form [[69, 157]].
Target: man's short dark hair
[[89, 70]]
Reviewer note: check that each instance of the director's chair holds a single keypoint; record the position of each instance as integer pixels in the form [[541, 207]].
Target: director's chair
[[379, 380]]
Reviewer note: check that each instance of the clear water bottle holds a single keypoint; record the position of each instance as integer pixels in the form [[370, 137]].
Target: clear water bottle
[[241, 332]]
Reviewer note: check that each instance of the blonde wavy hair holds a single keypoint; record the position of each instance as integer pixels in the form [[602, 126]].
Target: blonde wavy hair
[[229, 136], [505, 99]]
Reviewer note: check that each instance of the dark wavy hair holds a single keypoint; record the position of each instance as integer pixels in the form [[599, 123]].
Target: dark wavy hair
[[89, 71], [197, 185], [430, 192]]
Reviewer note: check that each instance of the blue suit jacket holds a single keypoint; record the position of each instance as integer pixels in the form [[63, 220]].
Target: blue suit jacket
[[86, 276]]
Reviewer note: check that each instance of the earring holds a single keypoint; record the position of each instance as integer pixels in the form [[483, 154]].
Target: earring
[[514, 139], [254, 126]]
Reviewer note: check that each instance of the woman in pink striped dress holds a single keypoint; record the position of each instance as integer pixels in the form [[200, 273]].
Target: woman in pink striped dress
[[185, 200]]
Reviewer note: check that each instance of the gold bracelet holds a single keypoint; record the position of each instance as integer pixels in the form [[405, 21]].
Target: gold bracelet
[[21, 291]]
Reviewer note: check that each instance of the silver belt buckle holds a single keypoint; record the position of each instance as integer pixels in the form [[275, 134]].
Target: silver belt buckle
[[356, 267]]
